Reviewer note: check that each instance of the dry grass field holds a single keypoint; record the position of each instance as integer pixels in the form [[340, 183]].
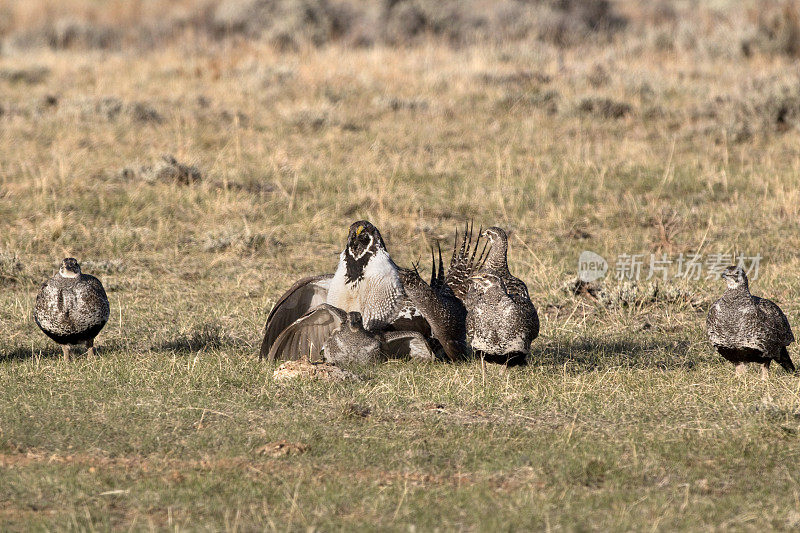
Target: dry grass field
[[199, 167]]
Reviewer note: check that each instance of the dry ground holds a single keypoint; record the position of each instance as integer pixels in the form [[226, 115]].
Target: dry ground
[[659, 140]]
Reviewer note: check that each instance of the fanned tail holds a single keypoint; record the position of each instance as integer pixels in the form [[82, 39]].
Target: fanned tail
[[466, 260]]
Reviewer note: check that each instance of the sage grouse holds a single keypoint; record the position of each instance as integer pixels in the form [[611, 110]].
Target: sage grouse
[[72, 307], [349, 342], [501, 319], [368, 282], [748, 329]]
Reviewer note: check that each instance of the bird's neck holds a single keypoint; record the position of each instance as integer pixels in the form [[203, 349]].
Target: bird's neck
[[497, 258], [355, 266], [738, 293], [381, 266]]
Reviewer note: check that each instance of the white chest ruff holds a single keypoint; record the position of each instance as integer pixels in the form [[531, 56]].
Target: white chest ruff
[[342, 294], [377, 295]]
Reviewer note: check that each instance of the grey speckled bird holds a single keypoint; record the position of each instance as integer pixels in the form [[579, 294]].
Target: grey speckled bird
[[748, 329], [501, 319], [72, 307], [348, 340]]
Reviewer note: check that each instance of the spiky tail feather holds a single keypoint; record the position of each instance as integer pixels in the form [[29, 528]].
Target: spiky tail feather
[[466, 260]]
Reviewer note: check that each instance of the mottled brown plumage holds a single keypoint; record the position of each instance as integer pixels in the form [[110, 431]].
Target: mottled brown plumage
[[444, 314], [501, 319], [348, 340], [72, 307], [748, 329], [465, 262]]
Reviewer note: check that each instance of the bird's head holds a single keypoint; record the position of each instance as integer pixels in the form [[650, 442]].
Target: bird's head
[[735, 277], [354, 321], [485, 282], [363, 239], [363, 243], [495, 234], [70, 268]]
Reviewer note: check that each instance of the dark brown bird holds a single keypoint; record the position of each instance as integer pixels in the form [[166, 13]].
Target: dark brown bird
[[72, 307], [443, 314], [748, 329]]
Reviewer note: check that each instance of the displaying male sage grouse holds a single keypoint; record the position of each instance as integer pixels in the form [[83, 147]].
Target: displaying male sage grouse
[[72, 307], [501, 319], [368, 282], [748, 329]]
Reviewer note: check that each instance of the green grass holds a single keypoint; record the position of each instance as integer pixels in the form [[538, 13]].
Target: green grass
[[609, 447], [624, 420]]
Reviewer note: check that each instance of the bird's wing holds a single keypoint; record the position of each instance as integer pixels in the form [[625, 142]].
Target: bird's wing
[[711, 320], [306, 335], [532, 320], [40, 298], [775, 320], [516, 289], [40, 310], [96, 285], [303, 296], [411, 344], [409, 318], [100, 294]]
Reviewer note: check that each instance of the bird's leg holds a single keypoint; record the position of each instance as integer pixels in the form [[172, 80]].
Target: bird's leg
[[90, 353], [765, 370], [65, 352], [741, 368]]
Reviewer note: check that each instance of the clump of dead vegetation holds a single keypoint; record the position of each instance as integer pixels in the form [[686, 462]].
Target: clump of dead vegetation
[[515, 78], [305, 370], [241, 241], [537, 98], [27, 76], [283, 22], [68, 33], [604, 107], [777, 30], [394, 103], [292, 23], [761, 107], [773, 111], [104, 266], [310, 119], [111, 108], [166, 170], [633, 293], [12, 269]]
